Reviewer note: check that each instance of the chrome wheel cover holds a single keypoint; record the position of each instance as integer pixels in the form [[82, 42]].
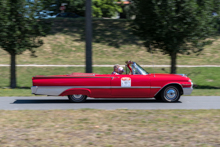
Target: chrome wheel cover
[[77, 97], [171, 94]]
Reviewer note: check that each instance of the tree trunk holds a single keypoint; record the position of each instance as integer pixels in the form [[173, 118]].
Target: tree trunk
[[173, 63], [88, 36], [13, 71]]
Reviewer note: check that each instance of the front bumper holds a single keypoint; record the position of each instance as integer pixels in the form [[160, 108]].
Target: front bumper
[[187, 91]]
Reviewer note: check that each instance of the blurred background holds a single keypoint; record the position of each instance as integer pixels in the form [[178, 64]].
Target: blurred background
[[149, 32], [49, 37]]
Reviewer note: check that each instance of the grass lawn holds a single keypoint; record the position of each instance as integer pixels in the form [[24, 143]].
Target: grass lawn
[[113, 43], [205, 79], [110, 128]]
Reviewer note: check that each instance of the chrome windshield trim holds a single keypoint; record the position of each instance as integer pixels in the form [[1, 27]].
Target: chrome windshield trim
[[139, 69]]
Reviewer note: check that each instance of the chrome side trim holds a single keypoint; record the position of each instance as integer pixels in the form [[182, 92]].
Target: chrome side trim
[[167, 85], [70, 77], [155, 87], [101, 87], [57, 90], [187, 91], [125, 87]]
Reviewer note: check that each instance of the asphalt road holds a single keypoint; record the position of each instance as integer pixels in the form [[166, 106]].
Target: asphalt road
[[50, 103]]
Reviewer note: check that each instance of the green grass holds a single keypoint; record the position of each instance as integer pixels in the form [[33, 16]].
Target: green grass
[[205, 79], [113, 43], [116, 128]]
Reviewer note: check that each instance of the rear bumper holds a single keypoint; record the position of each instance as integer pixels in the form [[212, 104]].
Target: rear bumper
[[34, 89], [187, 91]]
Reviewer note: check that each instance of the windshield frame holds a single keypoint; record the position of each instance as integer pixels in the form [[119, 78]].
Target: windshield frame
[[139, 68]]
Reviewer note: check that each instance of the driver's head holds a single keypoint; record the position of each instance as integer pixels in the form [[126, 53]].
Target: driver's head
[[116, 66], [120, 70]]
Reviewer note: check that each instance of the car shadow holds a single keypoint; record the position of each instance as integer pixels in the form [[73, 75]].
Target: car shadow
[[39, 101], [89, 101]]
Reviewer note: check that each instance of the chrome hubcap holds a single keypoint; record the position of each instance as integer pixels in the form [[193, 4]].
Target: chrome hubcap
[[77, 96], [171, 94]]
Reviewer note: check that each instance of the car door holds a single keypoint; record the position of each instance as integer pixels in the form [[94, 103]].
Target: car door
[[130, 85]]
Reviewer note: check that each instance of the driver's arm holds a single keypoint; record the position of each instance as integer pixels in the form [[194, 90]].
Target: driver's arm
[[130, 69], [128, 65]]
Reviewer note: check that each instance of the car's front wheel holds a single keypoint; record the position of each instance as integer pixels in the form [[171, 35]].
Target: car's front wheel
[[170, 94], [77, 98]]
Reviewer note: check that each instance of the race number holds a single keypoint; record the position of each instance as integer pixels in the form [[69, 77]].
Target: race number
[[125, 82]]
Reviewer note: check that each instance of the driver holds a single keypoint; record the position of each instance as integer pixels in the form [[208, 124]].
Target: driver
[[120, 70], [115, 72]]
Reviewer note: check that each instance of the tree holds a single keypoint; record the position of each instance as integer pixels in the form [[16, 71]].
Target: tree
[[106, 8], [175, 26], [101, 8], [21, 27]]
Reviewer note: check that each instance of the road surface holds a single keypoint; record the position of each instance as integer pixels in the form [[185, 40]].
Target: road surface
[[50, 103]]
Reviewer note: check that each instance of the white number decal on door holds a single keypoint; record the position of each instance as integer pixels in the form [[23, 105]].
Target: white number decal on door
[[125, 82]]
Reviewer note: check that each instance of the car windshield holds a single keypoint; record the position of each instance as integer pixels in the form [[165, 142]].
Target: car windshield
[[137, 69]]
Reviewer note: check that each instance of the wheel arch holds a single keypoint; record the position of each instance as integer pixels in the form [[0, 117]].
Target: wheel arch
[[179, 86], [73, 91]]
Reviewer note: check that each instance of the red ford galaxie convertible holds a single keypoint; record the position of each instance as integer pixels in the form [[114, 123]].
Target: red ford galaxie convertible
[[136, 83]]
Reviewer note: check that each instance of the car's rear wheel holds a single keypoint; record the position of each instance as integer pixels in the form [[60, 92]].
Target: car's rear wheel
[[170, 94], [77, 98]]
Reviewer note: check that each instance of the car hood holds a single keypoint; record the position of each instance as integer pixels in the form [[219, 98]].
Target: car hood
[[172, 76]]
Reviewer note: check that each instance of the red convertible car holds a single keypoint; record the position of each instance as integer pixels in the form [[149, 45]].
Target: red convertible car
[[136, 83]]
